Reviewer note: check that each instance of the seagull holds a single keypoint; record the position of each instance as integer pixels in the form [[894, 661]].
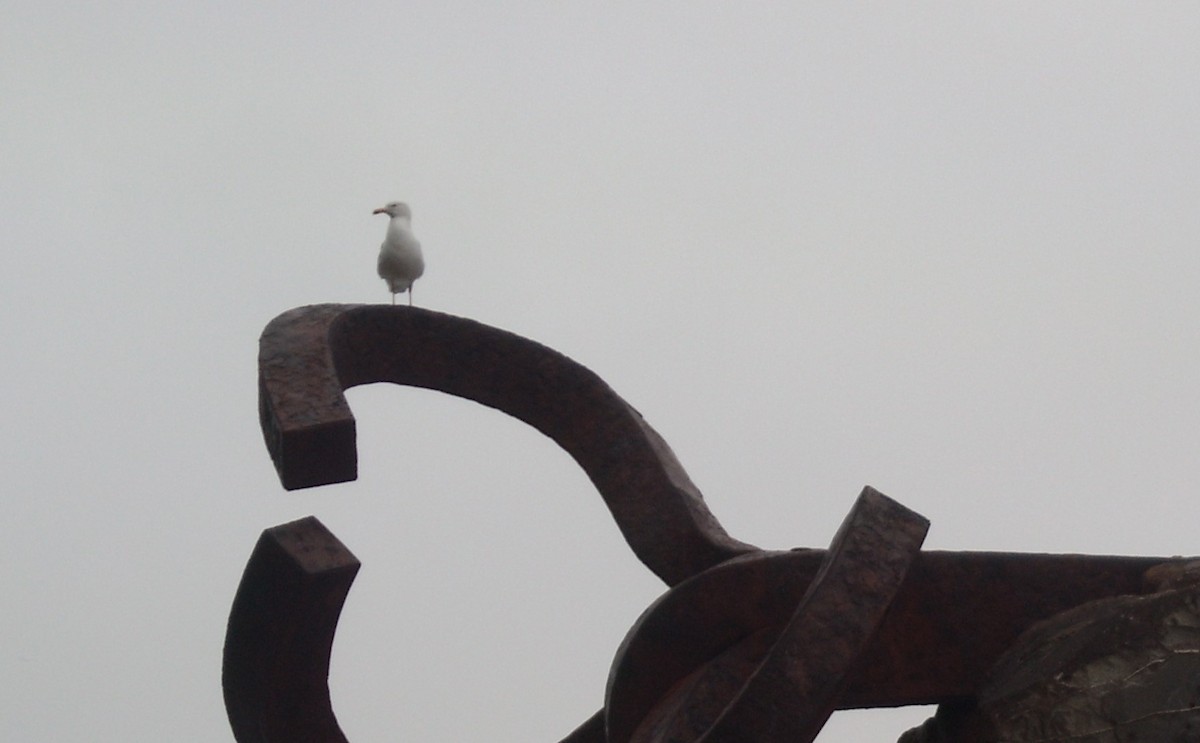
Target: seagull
[[400, 259]]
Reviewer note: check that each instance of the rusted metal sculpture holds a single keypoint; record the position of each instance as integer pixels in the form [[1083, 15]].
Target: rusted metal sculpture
[[280, 634], [747, 645]]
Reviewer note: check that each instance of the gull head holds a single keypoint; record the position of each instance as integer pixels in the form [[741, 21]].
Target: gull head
[[395, 209]]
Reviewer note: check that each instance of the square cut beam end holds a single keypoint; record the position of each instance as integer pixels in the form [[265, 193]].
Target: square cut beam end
[[320, 455]]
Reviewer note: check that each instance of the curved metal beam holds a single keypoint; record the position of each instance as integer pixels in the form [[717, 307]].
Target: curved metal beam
[[310, 355], [772, 683], [275, 670]]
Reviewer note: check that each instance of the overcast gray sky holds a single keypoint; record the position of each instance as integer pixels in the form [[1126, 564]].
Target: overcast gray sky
[[945, 249]]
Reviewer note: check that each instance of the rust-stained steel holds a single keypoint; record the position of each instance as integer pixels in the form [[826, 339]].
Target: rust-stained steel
[[747, 645], [788, 692], [276, 667], [955, 615], [310, 355]]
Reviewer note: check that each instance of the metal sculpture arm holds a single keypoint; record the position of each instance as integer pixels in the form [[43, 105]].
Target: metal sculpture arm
[[275, 669], [746, 645], [309, 356]]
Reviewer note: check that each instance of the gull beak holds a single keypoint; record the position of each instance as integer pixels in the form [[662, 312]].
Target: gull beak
[[380, 210]]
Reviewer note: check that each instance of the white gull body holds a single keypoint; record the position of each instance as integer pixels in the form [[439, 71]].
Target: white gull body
[[400, 259]]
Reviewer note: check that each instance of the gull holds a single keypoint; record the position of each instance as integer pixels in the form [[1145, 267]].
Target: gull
[[400, 259]]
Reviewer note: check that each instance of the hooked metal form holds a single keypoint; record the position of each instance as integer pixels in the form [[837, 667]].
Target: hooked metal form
[[747, 645]]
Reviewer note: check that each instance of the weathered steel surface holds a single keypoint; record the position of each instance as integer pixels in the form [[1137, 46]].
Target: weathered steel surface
[[797, 686], [276, 666], [783, 685], [1125, 668], [696, 621], [746, 645], [957, 612], [310, 355]]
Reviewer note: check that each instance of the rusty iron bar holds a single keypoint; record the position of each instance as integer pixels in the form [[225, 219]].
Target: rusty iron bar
[[309, 356], [788, 692], [957, 612], [732, 625], [955, 615], [275, 669]]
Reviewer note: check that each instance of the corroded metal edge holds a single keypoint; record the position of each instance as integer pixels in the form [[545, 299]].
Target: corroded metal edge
[[796, 688], [275, 667], [308, 357], [782, 683], [956, 614]]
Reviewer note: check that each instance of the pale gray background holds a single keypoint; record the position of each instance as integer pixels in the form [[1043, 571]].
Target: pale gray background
[[946, 249]]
